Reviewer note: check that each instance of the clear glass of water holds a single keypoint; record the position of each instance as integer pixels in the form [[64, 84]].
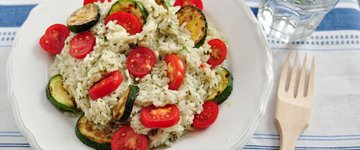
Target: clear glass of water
[[292, 20]]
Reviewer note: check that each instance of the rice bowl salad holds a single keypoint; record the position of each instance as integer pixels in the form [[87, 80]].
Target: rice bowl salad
[[149, 70]]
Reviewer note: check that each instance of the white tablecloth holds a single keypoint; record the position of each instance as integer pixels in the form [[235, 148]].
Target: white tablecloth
[[335, 122]]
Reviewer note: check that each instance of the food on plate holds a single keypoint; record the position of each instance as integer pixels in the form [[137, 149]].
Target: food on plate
[[144, 74], [218, 52], [58, 96], [140, 61], [207, 116], [196, 3], [134, 7], [106, 85], [126, 138], [123, 109], [82, 44], [127, 21], [195, 22], [53, 40], [87, 133], [175, 71], [164, 3], [225, 87], [92, 1], [84, 18], [159, 117]]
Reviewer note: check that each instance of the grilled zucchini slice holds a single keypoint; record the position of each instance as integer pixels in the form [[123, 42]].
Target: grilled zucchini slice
[[95, 138], [164, 3], [223, 91], [58, 96], [195, 23], [134, 7], [84, 18], [124, 107]]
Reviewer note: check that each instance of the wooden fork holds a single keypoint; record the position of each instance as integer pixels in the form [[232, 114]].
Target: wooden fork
[[293, 106]]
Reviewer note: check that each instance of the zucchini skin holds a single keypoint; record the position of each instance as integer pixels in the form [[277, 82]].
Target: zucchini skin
[[227, 91], [164, 3], [145, 14], [167, 3], [143, 10], [133, 93], [122, 111], [86, 26], [203, 38], [87, 141], [202, 41], [54, 101]]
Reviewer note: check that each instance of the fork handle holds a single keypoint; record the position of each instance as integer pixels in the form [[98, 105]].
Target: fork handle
[[288, 136], [291, 121], [287, 142]]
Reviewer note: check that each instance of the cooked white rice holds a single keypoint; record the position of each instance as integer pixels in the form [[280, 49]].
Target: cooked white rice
[[161, 33]]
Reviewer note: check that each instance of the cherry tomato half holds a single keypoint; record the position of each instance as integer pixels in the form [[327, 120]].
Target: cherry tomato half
[[218, 53], [53, 40], [106, 85], [82, 44], [92, 1], [50, 45], [140, 61], [125, 138], [208, 116], [196, 3], [159, 117], [127, 20], [175, 71]]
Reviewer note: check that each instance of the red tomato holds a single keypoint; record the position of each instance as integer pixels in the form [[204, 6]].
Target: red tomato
[[140, 61], [126, 139], [159, 117], [175, 71], [106, 85], [59, 32], [82, 44], [92, 1], [50, 45], [89, 1], [53, 40], [208, 116], [127, 20], [196, 3], [219, 52]]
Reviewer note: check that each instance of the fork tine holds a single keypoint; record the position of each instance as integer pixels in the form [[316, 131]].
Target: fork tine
[[310, 91], [284, 72], [293, 75], [301, 85]]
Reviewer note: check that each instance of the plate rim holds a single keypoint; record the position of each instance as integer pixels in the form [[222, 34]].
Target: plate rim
[[266, 92], [13, 101], [241, 142]]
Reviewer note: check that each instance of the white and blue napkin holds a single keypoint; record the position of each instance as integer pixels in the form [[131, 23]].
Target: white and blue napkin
[[335, 121]]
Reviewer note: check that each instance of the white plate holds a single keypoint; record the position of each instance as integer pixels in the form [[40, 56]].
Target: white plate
[[249, 61]]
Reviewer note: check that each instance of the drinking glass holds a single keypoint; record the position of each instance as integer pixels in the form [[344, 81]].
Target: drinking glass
[[291, 20]]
